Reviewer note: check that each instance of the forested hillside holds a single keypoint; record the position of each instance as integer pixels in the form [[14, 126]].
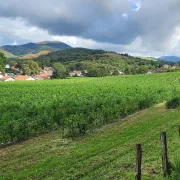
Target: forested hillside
[[2, 63], [86, 59]]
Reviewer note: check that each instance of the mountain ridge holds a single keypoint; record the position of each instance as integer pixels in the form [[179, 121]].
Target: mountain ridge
[[170, 58], [33, 48]]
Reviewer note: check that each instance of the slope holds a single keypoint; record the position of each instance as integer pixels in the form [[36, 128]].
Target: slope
[[7, 54], [84, 59], [107, 154], [32, 56]]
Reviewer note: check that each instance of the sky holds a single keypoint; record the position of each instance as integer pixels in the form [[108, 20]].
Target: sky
[[137, 27]]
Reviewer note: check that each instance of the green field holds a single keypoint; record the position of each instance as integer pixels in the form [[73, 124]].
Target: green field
[[108, 153], [84, 105], [76, 106]]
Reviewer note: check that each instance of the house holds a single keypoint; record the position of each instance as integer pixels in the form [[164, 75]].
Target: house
[[43, 77], [7, 66], [75, 73], [149, 72], [30, 79], [7, 79], [156, 71], [9, 74], [37, 78], [13, 68], [1, 76], [166, 66], [174, 67], [47, 70], [42, 71], [24, 78]]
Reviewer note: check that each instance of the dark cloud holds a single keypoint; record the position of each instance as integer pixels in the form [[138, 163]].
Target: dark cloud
[[156, 22]]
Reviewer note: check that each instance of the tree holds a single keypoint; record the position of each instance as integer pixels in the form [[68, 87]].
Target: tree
[[30, 67], [98, 72], [2, 63], [60, 71], [2, 68], [142, 69]]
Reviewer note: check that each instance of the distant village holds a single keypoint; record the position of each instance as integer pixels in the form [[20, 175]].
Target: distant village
[[164, 68], [47, 72]]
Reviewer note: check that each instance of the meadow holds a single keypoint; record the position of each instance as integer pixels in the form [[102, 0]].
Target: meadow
[[76, 106]]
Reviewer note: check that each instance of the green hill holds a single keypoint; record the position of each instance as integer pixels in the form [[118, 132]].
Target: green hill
[[33, 48], [84, 59], [107, 154], [7, 54]]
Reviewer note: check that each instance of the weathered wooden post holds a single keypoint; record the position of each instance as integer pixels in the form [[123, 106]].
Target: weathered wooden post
[[138, 162], [165, 165], [62, 128], [179, 129]]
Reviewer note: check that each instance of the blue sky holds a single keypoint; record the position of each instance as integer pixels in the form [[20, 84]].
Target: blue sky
[[147, 28]]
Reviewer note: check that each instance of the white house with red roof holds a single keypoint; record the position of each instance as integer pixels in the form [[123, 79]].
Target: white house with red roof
[[1, 75], [7, 79]]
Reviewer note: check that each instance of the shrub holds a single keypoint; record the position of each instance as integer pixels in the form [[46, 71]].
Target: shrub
[[173, 103]]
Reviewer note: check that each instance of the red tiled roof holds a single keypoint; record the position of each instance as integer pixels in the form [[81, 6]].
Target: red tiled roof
[[44, 76], [6, 77], [21, 78]]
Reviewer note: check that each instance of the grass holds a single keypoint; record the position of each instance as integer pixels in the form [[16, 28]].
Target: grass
[[108, 153]]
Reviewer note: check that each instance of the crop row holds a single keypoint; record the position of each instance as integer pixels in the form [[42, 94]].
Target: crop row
[[77, 105]]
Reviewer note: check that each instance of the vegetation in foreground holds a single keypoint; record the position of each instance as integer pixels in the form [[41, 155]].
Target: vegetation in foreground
[[77, 105], [106, 154]]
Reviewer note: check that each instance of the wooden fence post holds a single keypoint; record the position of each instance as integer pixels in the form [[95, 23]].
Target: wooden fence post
[[63, 128], [179, 129], [138, 162], [165, 165]]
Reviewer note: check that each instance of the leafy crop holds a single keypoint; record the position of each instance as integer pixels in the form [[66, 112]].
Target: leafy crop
[[77, 105], [173, 103]]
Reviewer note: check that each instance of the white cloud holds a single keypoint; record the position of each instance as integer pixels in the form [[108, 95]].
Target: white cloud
[[133, 26], [19, 31]]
